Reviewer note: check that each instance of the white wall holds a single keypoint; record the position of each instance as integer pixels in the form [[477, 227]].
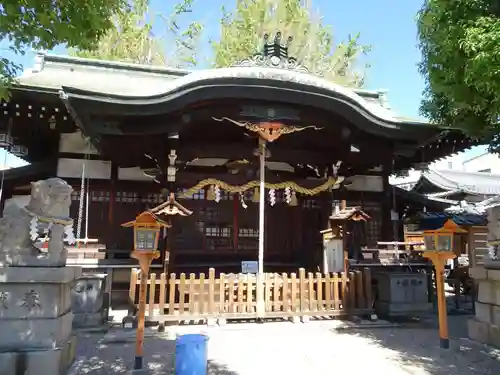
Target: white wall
[[486, 162]]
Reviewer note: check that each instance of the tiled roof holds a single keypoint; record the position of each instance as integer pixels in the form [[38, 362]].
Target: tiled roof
[[434, 220], [467, 182]]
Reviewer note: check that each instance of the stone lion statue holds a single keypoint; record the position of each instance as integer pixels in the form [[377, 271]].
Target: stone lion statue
[[44, 219]]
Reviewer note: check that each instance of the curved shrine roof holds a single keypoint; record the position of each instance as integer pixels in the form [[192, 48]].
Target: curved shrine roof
[[104, 88], [118, 84]]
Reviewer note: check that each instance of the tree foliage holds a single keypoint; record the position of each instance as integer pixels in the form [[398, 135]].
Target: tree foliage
[[132, 39], [42, 25], [313, 44], [459, 41]]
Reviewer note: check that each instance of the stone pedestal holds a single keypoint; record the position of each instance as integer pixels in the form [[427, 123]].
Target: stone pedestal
[[36, 319], [402, 293], [485, 326], [87, 301]]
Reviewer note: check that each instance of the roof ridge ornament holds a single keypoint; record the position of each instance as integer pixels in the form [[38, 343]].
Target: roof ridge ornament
[[274, 55]]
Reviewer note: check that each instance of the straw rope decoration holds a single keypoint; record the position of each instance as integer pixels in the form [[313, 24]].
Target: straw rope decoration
[[328, 184]]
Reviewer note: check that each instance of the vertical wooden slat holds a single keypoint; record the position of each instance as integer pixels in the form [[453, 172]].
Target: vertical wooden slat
[[267, 291], [368, 287], [171, 294], [231, 281], [345, 292], [336, 297], [211, 291], [351, 290], [328, 292], [250, 288], [200, 298], [310, 292], [152, 290], [276, 292], [285, 293], [182, 292], [161, 300], [302, 289], [293, 282], [222, 293], [360, 296], [241, 284], [319, 293], [192, 292], [133, 285]]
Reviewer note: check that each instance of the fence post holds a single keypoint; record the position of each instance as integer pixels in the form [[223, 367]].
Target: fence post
[[171, 294], [133, 285], [368, 287], [161, 301], [211, 292], [152, 292]]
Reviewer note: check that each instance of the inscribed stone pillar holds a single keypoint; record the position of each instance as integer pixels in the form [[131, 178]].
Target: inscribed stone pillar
[[35, 284]]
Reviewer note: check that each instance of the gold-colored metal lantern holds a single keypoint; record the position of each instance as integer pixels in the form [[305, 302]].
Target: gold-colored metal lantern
[[439, 249], [146, 233], [442, 239]]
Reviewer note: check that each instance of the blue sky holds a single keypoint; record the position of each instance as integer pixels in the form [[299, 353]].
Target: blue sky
[[387, 25]]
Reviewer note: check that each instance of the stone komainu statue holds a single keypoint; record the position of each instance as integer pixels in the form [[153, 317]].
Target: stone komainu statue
[[24, 232]]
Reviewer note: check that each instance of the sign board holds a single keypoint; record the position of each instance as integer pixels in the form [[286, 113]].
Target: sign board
[[249, 266]]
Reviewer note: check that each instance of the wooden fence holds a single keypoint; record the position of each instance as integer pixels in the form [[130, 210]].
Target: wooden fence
[[234, 296]]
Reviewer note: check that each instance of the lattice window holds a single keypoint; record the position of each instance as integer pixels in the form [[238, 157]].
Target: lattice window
[[127, 197], [373, 226], [99, 196], [248, 232], [199, 195], [311, 203], [152, 198]]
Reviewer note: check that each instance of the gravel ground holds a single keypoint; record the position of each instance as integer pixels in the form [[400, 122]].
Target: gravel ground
[[316, 347]]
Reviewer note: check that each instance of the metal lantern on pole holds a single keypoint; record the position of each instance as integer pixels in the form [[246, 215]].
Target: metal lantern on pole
[[146, 233], [439, 249]]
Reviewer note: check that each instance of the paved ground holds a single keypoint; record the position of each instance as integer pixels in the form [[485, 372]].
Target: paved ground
[[286, 349]]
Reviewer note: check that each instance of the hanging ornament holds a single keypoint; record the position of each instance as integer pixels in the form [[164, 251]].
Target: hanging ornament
[[256, 195], [69, 235], [211, 193], [288, 195], [34, 228], [242, 200], [217, 193], [293, 200], [272, 197]]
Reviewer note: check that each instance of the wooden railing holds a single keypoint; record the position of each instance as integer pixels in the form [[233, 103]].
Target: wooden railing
[[234, 296]]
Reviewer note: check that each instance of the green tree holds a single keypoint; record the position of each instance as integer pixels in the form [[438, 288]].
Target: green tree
[[42, 25], [132, 38], [459, 41], [313, 44]]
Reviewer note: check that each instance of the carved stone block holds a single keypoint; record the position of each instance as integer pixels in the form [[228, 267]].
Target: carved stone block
[[87, 301], [87, 294], [26, 334], [33, 235], [55, 361]]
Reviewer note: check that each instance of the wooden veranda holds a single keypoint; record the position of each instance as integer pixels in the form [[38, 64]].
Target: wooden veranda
[[192, 298]]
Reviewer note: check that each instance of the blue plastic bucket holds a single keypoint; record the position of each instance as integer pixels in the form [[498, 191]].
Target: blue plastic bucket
[[191, 355]]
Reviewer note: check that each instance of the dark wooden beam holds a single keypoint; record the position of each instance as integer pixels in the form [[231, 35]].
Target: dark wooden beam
[[236, 151], [188, 179]]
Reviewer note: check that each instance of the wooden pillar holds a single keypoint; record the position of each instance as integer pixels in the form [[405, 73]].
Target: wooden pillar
[[387, 203], [6, 194], [236, 230], [111, 207]]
